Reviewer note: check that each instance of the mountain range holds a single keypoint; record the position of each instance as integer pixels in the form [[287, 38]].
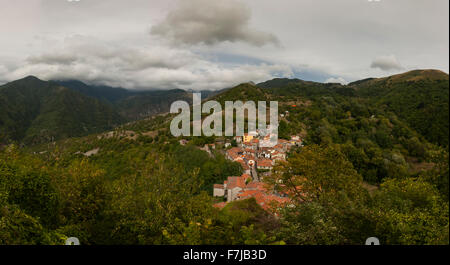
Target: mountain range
[[35, 111], [418, 97]]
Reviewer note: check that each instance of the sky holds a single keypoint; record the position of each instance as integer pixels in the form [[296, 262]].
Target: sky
[[215, 44]]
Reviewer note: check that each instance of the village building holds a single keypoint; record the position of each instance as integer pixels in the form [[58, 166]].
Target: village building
[[235, 186], [264, 152], [252, 154], [218, 190], [247, 137], [265, 164], [246, 168], [276, 155], [241, 188]]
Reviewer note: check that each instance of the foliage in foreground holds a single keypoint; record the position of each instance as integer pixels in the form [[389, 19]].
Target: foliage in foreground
[[331, 206], [162, 203]]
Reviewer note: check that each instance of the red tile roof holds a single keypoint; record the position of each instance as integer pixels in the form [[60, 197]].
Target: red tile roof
[[236, 157], [246, 176], [256, 186], [247, 194], [235, 150], [234, 182], [267, 201], [264, 163], [244, 165], [249, 157], [255, 190]]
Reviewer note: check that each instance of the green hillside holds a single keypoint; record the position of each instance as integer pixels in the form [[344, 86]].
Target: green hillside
[[103, 93], [419, 97], [143, 104], [35, 111], [133, 105], [244, 92]]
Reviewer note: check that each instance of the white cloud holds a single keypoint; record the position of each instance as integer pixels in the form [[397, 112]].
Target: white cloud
[[339, 80], [139, 67], [386, 63]]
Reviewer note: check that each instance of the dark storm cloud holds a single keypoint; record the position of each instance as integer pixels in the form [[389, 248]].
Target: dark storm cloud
[[211, 22]]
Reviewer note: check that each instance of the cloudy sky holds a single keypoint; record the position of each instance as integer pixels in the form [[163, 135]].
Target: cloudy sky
[[213, 44]]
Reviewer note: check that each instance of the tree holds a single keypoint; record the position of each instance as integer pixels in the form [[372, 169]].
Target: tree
[[19, 228], [439, 175], [328, 201], [410, 212], [316, 172]]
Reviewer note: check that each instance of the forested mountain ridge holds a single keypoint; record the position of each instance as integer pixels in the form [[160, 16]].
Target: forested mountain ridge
[[420, 97], [134, 104], [131, 104], [34, 111], [145, 104], [104, 93]]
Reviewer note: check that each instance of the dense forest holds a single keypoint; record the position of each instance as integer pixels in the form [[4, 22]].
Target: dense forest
[[375, 163]]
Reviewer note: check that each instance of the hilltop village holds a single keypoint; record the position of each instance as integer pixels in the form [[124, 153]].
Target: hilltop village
[[257, 162]]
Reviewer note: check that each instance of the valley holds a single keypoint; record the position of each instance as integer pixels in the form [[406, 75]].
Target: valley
[[351, 161]]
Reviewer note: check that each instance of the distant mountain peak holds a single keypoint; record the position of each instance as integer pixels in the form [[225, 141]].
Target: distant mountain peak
[[31, 77], [410, 76], [29, 81], [421, 74]]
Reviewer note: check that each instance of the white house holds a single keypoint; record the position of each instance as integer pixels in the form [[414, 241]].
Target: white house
[[219, 190]]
